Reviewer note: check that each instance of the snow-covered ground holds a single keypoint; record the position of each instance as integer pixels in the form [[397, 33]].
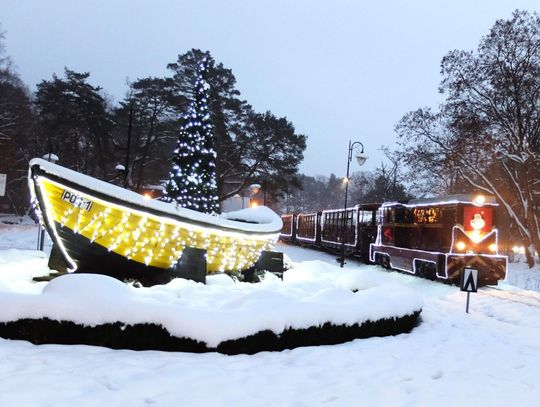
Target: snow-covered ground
[[488, 357]]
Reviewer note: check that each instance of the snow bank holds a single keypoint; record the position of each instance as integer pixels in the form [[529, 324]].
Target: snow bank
[[312, 294], [259, 214], [520, 275]]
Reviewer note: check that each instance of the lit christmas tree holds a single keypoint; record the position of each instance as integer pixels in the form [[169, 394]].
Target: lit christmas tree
[[192, 179]]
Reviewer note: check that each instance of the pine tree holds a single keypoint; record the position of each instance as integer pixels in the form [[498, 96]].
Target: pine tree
[[192, 179], [251, 147]]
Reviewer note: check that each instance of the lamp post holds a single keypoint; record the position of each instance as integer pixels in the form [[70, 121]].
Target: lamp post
[[361, 158], [253, 189]]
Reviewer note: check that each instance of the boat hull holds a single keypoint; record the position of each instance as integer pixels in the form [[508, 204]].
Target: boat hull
[[96, 259], [97, 231]]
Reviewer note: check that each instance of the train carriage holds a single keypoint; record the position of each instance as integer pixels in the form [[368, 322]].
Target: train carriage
[[288, 231], [308, 228], [337, 226], [359, 229]]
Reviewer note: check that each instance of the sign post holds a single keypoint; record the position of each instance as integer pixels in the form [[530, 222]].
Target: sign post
[[3, 178], [469, 283]]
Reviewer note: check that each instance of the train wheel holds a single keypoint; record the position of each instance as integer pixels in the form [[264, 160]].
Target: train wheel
[[425, 269], [383, 260]]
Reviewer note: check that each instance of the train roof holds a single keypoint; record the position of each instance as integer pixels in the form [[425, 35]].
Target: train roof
[[447, 200]]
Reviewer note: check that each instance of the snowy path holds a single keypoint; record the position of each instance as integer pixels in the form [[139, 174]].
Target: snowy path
[[489, 357]]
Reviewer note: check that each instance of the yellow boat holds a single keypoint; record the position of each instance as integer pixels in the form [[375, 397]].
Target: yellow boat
[[102, 228]]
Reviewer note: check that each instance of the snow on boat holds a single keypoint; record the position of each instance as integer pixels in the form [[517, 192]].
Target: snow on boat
[[102, 228]]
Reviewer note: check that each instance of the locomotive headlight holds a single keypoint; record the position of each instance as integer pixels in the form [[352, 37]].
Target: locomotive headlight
[[479, 200], [475, 236], [460, 246], [493, 247]]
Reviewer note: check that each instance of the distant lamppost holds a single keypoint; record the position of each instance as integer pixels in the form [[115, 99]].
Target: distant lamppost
[[265, 188], [253, 189], [361, 158]]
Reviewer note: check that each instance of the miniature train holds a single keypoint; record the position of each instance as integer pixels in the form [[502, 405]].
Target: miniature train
[[435, 238]]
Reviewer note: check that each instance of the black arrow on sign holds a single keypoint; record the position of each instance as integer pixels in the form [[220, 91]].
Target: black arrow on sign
[[470, 281]]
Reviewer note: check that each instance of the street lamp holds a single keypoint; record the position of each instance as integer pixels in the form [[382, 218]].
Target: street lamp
[[361, 159], [253, 189], [53, 158]]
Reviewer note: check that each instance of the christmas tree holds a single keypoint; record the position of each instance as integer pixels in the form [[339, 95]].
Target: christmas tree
[[192, 179]]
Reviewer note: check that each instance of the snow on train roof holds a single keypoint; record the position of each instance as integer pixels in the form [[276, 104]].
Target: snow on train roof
[[447, 200], [260, 219]]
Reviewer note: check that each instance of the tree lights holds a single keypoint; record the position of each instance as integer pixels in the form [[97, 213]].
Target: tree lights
[[192, 179]]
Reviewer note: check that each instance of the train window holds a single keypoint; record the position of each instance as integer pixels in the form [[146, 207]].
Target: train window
[[389, 215], [337, 223], [287, 224], [354, 216], [367, 218], [401, 215], [306, 226], [449, 219], [331, 225], [449, 216], [427, 215]]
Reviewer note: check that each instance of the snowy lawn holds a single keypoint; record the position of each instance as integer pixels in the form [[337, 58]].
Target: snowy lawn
[[488, 357]]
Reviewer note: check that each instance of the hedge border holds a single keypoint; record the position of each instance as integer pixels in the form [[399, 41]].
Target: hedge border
[[149, 336]]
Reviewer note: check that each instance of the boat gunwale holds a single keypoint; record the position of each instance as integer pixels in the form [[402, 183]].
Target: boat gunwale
[[37, 170]]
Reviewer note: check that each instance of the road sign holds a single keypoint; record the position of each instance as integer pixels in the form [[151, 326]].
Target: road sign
[[469, 283], [3, 178], [469, 280]]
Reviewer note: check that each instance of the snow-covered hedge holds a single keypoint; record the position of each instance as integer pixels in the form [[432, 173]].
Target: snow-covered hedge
[[315, 304]]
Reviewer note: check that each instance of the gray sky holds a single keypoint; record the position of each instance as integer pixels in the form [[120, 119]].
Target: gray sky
[[339, 70]]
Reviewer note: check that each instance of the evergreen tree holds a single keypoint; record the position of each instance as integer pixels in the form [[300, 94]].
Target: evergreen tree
[[154, 129], [76, 123], [18, 141], [192, 179], [251, 147], [485, 135]]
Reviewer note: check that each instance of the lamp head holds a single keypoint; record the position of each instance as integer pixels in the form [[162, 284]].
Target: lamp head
[[254, 188], [361, 158], [51, 157]]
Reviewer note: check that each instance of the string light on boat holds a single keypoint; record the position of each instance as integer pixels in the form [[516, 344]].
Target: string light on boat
[[154, 240]]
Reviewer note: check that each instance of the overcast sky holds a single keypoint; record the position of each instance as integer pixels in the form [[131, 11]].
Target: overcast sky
[[339, 70]]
